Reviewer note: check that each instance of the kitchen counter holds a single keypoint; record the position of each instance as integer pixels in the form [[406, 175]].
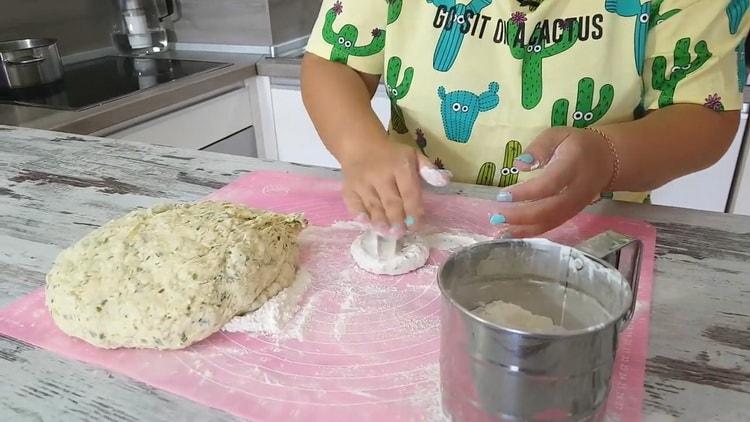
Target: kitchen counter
[[141, 105], [55, 188], [280, 67]]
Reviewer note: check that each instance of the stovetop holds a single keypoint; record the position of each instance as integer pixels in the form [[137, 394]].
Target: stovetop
[[93, 82]]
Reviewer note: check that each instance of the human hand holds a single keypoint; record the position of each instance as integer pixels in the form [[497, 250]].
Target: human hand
[[576, 166], [382, 186]]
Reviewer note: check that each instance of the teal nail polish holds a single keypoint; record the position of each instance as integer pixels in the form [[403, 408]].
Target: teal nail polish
[[497, 219], [525, 158], [504, 197], [409, 221]]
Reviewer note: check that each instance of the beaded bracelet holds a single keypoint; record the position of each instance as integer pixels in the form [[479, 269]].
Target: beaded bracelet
[[615, 158]]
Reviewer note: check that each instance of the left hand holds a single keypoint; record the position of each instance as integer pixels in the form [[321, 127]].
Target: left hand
[[576, 166]]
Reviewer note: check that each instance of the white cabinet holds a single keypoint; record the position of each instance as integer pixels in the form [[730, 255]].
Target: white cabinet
[[240, 143], [706, 190], [296, 138], [222, 123]]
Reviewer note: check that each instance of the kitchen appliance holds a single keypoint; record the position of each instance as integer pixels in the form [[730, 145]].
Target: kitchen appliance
[[491, 372], [138, 26], [97, 81], [29, 62]]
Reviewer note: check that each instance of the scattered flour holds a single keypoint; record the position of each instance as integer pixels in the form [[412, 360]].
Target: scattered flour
[[427, 398], [348, 225], [271, 318], [446, 241], [347, 307], [285, 317], [296, 330]]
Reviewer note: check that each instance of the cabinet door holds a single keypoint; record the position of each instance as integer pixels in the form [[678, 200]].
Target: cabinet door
[[297, 140], [196, 126], [241, 143], [706, 190]]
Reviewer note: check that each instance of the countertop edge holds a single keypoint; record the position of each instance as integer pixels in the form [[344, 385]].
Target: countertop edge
[[140, 106]]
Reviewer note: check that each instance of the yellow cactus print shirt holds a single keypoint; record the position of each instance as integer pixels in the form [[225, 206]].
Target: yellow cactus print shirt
[[472, 82]]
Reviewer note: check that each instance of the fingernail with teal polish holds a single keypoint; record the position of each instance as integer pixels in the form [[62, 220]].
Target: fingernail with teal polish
[[504, 197], [409, 221], [497, 219], [525, 158]]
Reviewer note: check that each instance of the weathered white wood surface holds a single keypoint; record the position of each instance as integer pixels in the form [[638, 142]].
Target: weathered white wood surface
[[55, 188]]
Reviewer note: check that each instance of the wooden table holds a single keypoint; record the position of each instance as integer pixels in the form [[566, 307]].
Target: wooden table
[[55, 188]]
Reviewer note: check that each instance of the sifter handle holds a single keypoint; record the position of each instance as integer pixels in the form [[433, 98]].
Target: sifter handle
[[624, 254]]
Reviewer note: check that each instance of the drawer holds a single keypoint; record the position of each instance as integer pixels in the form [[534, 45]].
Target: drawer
[[196, 126]]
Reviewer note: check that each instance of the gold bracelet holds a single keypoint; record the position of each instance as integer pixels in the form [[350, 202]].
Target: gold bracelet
[[615, 158]]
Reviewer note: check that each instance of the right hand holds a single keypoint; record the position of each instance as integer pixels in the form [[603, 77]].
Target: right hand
[[382, 186]]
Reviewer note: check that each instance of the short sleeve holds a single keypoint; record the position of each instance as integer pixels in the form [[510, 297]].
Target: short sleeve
[[696, 53], [351, 32]]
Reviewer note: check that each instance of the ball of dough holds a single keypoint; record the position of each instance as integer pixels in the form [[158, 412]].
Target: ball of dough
[[171, 275], [413, 254]]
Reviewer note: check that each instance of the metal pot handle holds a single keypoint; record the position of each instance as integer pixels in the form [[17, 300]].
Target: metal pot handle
[[26, 61], [623, 253]]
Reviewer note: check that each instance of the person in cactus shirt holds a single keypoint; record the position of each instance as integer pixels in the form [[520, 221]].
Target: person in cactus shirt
[[554, 102]]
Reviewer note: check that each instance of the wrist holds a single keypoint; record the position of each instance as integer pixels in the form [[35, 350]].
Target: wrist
[[612, 159], [357, 149]]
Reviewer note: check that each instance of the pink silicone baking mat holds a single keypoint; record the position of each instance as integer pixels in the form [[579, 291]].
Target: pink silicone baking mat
[[361, 347]]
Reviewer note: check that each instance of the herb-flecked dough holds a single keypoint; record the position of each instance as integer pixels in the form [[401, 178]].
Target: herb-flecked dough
[[171, 275]]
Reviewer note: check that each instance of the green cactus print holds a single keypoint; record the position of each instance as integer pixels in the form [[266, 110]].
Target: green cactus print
[[394, 10], [735, 12], [344, 41], [667, 81], [509, 173], [533, 55], [486, 176], [657, 17], [397, 91], [585, 114]]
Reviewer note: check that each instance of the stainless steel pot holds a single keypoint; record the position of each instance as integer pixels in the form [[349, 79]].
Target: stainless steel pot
[[491, 372], [29, 63]]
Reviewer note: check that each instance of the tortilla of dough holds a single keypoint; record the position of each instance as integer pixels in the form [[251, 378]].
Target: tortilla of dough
[[413, 254], [513, 316], [169, 276]]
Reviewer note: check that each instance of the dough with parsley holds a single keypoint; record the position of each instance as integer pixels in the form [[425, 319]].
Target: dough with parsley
[[169, 276]]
